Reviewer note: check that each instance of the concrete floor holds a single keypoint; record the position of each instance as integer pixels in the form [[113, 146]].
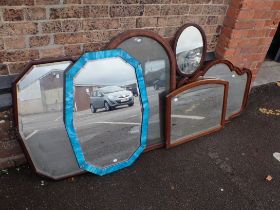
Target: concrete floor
[[269, 72]]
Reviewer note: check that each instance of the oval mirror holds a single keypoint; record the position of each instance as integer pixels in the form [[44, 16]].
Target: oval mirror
[[190, 47], [106, 113]]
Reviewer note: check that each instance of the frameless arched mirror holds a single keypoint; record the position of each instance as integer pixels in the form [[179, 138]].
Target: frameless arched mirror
[[194, 110], [190, 47], [39, 105], [106, 112]]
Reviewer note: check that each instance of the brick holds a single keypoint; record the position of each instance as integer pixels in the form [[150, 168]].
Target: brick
[[131, 1], [101, 24], [150, 1], [4, 69], [126, 10], [47, 2], [14, 43], [196, 9], [214, 10], [128, 23], [174, 9], [218, 1], [71, 25], [98, 36], [212, 20], [73, 50], [69, 38], [13, 15], [72, 1], [38, 41], [276, 5], [151, 10], [103, 2], [94, 46], [1, 44], [52, 52], [16, 2], [23, 28], [146, 22], [36, 13], [244, 25], [173, 21], [19, 55], [17, 67], [51, 27], [200, 20], [191, 1], [99, 11], [67, 12]]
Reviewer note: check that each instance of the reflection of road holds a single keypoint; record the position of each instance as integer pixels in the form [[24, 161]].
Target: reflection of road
[[196, 112]]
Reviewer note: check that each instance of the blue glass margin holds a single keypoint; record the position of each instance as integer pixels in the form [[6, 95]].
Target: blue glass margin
[[69, 107]]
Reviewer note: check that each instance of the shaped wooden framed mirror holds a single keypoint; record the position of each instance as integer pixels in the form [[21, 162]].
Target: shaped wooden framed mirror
[[190, 47], [106, 110], [159, 70], [239, 84], [195, 110], [38, 110]]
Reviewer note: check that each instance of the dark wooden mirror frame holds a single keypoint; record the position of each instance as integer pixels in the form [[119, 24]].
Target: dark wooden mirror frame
[[184, 88], [239, 71], [204, 40], [15, 113], [116, 41]]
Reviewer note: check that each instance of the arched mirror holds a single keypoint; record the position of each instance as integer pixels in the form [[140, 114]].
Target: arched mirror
[[190, 48], [39, 116], [106, 110], [159, 70], [195, 110]]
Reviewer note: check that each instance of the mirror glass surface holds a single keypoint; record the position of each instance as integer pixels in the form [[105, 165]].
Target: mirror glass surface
[[237, 86], [189, 50], [40, 117], [108, 111], [196, 110], [156, 70]]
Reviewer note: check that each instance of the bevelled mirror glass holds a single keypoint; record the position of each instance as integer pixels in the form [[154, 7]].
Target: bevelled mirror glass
[[194, 110], [190, 48], [156, 70], [39, 96], [238, 86], [108, 110]]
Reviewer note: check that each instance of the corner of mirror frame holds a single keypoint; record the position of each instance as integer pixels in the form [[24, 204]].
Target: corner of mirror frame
[[188, 86], [25, 69], [204, 40], [232, 68], [165, 43]]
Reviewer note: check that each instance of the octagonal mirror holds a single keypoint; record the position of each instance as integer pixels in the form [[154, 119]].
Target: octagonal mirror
[[190, 47], [159, 69], [106, 112], [39, 116], [194, 110], [239, 85]]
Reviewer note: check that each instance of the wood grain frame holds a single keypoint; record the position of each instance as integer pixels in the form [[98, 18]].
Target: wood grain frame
[[15, 113], [182, 89], [232, 68], [115, 42], [204, 40]]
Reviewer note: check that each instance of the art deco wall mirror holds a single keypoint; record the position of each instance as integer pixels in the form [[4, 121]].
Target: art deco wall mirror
[[38, 106], [106, 110]]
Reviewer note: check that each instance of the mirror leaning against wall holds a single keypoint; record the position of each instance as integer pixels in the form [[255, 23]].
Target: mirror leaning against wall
[[106, 112], [190, 48], [39, 105]]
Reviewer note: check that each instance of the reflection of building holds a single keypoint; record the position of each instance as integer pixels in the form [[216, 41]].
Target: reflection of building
[[45, 94]]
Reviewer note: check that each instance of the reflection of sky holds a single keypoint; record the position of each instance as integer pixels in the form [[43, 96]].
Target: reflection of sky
[[189, 39], [110, 71], [38, 71]]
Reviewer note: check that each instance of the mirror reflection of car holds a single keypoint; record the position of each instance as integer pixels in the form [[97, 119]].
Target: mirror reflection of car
[[159, 82], [133, 90], [110, 97]]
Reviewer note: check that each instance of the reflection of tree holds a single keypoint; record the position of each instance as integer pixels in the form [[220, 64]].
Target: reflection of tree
[[188, 61]]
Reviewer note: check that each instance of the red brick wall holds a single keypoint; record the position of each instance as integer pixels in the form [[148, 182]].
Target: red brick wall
[[248, 31], [34, 29]]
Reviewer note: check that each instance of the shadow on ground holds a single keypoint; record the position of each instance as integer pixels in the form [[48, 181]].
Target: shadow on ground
[[226, 170]]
